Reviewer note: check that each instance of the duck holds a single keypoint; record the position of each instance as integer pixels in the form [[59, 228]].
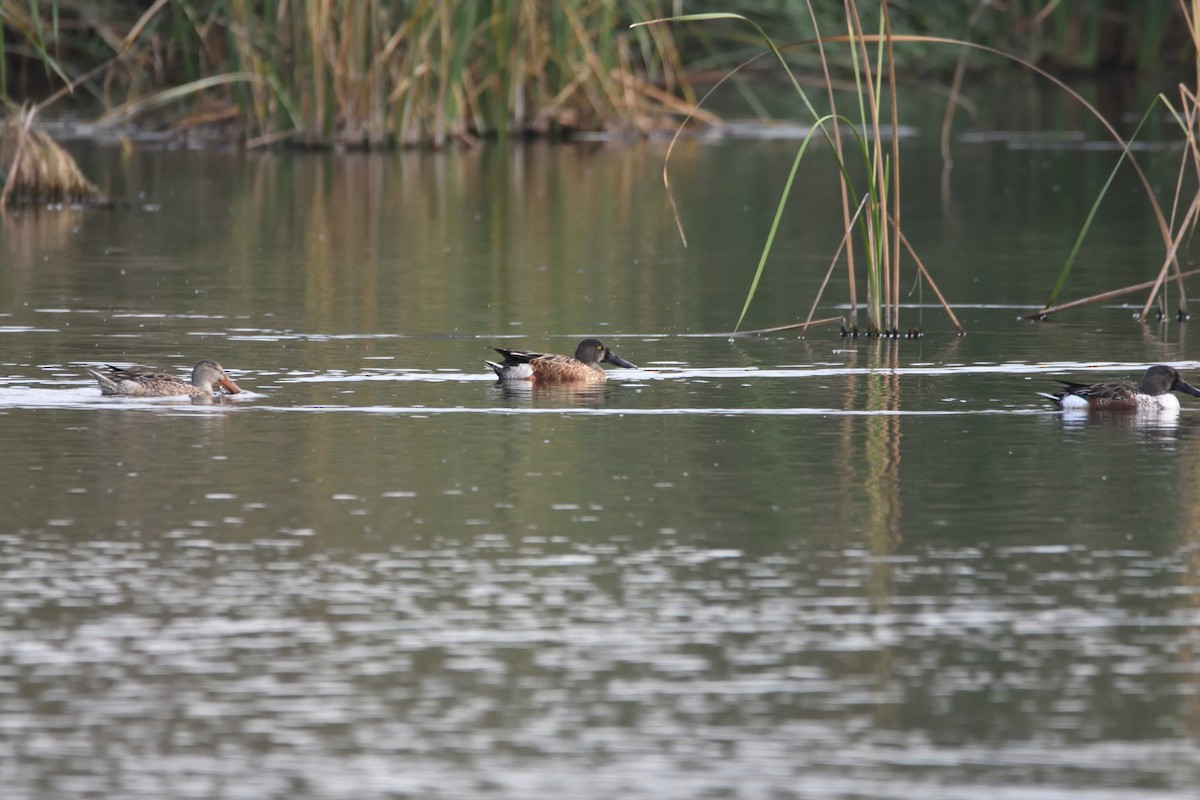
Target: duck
[[1152, 394], [584, 366], [123, 382]]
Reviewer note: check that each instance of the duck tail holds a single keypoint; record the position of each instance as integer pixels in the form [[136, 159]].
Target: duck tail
[[107, 385]]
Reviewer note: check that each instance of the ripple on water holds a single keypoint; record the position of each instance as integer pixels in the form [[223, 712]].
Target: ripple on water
[[531, 668]]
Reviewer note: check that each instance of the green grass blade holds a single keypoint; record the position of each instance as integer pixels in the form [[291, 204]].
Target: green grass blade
[[135, 107], [766, 252], [1087, 223]]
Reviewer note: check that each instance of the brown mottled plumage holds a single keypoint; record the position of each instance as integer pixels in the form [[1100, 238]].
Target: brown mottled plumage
[[131, 383]]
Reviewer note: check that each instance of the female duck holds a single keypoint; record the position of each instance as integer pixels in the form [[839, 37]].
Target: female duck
[[131, 383]]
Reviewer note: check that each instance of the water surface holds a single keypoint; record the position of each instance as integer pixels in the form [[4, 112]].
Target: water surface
[[760, 568]]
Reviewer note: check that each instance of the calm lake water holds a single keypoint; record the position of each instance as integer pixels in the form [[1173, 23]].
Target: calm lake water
[[766, 568]]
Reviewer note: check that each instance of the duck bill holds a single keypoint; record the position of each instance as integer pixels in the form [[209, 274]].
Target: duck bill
[[613, 358], [228, 385], [1183, 386]]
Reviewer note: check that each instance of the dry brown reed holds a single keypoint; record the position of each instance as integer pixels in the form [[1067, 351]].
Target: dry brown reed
[[1186, 193], [1173, 230], [36, 170]]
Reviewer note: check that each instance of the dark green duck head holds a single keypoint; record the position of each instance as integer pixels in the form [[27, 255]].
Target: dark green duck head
[[1162, 379]]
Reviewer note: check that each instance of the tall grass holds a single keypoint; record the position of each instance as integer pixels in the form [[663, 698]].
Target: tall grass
[[876, 217], [367, 72], [1185, 201], [1181, 223], [871, 206]]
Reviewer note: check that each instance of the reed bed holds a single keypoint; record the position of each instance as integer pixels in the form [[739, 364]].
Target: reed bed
[[367, 73], [335, 73]]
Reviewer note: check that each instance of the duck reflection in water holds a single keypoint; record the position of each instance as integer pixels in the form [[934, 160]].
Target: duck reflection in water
[[1154, 425], [524, 393]]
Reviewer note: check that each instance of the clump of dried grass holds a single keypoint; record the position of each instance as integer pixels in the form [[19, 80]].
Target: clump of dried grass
[[37, 170]]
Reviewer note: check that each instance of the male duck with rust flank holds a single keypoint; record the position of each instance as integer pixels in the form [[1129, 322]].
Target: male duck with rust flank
[[1153, 394], [523, 365], [131, 383]]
